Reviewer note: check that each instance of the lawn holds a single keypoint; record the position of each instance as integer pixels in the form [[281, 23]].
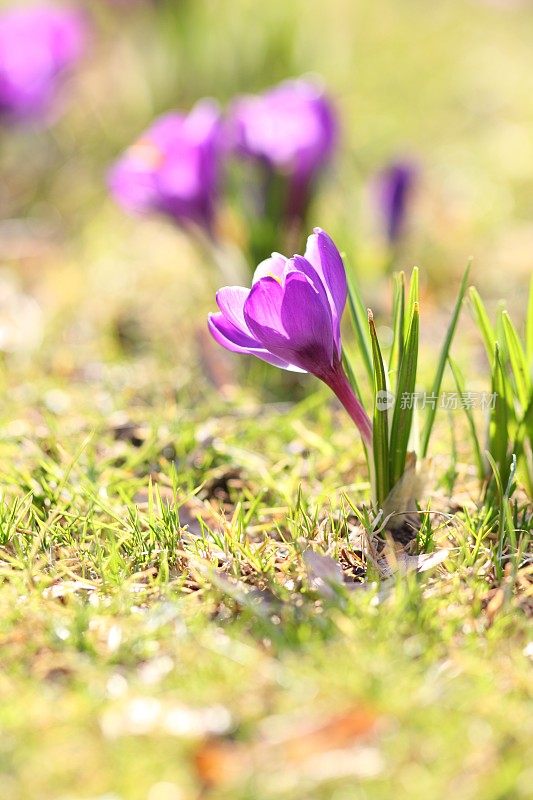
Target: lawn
[[198, 596]]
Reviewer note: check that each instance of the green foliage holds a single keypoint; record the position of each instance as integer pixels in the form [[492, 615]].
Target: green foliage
[[151, 582], [156, 607], [510, 425], [393, 432]]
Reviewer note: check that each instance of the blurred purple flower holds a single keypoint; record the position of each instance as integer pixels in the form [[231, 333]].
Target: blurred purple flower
[[37, 46], [292, 129], [395, 188], [291, 318], [173, 168]]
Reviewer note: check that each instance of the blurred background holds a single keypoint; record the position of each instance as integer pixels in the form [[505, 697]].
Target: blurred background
[[444, 85]]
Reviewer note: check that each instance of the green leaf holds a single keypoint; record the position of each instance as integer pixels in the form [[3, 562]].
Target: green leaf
[[499, 422], [482, 320], [403, 411], [518, 361], [413, 298], [435, 389], [398, 314], [529, 328], [522, 446], [459, 382], [381, 421], [348, 367]]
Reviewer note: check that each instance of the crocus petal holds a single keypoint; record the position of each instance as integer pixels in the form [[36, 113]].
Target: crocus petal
[[306, 317], [322, 253], [236, 341], [272, 267], [230, 300], [292, 321], [302, 265]]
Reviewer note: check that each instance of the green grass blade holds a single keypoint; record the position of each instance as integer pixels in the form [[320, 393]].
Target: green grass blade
[[499, 422], [459, 382], [501, 338], [348, 367], [413, 298], [381, 421], [398, 314], [403, 411], [523, 446], [518, 361], [482, 320], [527, 420], [435, 389], [529, 329]]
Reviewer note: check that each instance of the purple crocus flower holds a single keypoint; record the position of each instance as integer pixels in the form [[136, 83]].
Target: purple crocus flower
[[37, 45], [292, 130], [173, 168], [291, 318], [395, 187]]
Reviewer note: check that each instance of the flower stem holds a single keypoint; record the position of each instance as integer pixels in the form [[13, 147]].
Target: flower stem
[[340, 384]]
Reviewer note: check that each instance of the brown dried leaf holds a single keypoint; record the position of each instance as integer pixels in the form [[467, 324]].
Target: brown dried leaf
[[220, 762]]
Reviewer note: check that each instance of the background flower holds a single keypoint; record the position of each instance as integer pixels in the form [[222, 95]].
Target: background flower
[[37, 46], [174, 167], [395, 188], [291, 129]]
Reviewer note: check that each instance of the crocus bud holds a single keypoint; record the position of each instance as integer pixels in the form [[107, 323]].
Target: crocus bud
[[395, 188], [291, 129], [37, 46], [291, 318], [173, 168]]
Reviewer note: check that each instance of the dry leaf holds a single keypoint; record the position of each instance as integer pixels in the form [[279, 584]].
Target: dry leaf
[[324, 573], [399, 509], [396, 560], [194, 512], [495, 605], [317, 749], [64, 588], [333, 733]]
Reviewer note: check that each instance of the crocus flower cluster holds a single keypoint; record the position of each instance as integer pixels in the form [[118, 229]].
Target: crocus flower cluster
[[291, 318], [37, 46], [175, 167], [395, 188]]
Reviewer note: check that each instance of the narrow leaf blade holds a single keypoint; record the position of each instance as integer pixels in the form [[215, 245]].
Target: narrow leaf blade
[[381, 422], [404, 403], [482, 320], [443, 358]]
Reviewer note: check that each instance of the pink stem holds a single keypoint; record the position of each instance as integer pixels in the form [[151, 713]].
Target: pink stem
[[340, 384]]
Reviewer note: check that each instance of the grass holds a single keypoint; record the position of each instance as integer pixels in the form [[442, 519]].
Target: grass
[[164, 634], [194, 600]]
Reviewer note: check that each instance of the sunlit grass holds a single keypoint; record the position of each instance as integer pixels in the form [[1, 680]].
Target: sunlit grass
[[196, 597]]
